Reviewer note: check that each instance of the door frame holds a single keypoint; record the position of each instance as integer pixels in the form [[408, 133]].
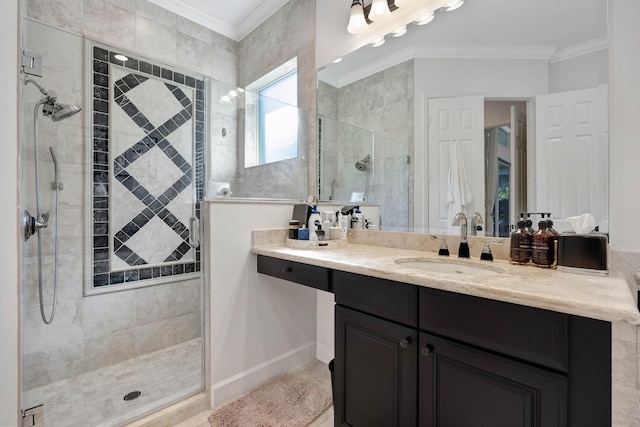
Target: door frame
[[421, 151]]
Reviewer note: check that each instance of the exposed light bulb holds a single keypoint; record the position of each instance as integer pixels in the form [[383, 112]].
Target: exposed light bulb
[[378, 42], [453, 5], [357, 22], [423, 20], [379, 10], [120, 57], [399, 32]]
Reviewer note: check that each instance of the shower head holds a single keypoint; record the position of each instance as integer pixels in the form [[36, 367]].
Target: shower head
[[63, 111], [363, 165], [51, 107]]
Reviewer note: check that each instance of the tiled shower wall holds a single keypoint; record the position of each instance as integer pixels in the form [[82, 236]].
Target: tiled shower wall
[[92, 332], [382, 104], [289, 32]]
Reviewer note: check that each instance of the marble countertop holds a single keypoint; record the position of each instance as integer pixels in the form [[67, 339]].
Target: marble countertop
[[603, 298]]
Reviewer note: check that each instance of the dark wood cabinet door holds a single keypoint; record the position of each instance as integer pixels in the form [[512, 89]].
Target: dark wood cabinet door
[[463, 386], [375, 371]]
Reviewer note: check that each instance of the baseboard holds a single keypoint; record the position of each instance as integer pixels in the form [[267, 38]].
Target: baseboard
[[243, 382], [324, 352]]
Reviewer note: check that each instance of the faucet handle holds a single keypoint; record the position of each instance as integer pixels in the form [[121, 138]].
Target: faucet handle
[[444, 249], [486, 254]]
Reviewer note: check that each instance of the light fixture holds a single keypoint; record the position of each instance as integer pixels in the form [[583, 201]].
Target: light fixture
[[453, 5], [399, 32], [120, 57], [379, 10], [381, 17], [335, 61], [357, 22], [425, 19], [379, 42], [404, 3]]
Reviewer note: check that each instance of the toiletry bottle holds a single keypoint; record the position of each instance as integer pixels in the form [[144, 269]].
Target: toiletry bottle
[[294, 227], [320, 233], [357, 219], [555, 234], [542, 245], [314, 221], [521, 243], [343, 224]]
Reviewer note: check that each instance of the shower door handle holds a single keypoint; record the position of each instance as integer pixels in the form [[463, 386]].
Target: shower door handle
[[194, 232]]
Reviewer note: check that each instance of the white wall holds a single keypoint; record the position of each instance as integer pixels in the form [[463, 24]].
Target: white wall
[[492, 78], [624, 110], [9, 302], [260, 326], [582, 72]]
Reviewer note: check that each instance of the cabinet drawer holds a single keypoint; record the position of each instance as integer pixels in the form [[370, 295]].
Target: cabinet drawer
[[305, 274], [384, 298], [530, 334]]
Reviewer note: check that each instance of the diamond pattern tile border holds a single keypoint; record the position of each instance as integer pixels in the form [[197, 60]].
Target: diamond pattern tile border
[[140, 71]]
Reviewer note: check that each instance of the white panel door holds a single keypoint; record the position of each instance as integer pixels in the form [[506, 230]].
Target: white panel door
[[518, 176], [461, 119], [572, 155]]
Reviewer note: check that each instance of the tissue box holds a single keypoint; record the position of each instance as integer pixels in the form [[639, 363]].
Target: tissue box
[[583, 253]]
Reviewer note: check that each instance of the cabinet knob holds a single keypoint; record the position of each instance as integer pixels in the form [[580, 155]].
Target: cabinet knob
[[287, 269], [405, 342], [427, 350]]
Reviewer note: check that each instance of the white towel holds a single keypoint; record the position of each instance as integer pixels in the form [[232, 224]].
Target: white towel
[[458, 192]]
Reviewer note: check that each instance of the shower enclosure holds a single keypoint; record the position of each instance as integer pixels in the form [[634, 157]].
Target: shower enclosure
[[112, 289], [357, 165]]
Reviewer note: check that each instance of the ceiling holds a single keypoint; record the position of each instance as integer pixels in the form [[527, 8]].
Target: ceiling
[[539, 29], [234, 19]]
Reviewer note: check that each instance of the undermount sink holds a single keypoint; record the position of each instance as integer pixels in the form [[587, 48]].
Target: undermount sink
[[447, 266]]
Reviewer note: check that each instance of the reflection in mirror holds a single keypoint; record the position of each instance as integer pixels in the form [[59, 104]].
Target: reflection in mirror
[[364, 167], [237, 148], [548, 75]]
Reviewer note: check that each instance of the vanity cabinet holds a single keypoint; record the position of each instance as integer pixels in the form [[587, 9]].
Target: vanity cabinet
[[460, 385], [408, 355], [475, 361], [375, 371]]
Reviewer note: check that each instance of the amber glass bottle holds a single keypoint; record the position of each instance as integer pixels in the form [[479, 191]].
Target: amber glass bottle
[[521, 244], [542, 245]]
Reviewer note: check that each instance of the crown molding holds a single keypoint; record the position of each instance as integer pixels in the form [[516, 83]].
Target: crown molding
[[580, 49], [441, 52], [237, 33], [258, 16]]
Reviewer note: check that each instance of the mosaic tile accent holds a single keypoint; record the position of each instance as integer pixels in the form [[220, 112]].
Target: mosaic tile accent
[[148, 160]]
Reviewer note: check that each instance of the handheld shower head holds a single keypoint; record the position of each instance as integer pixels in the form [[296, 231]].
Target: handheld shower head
[[363, 165], [63, 111], [51, 107]]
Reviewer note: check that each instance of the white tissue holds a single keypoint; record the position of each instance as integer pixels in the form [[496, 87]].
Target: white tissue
[[582, 224]]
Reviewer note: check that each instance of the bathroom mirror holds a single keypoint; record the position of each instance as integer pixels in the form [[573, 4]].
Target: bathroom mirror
[[495, 65]]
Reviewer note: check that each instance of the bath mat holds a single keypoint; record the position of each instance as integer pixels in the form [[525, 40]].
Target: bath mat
[[290, 400]]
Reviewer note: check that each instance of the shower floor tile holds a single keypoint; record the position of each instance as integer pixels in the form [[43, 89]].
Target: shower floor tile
[[97, 398]]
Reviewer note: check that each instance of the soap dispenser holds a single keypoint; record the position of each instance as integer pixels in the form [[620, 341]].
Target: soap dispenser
[[521, 243], [542, 245]]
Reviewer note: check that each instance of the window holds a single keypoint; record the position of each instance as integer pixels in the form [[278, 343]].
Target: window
[[272, 117], [278, 120]]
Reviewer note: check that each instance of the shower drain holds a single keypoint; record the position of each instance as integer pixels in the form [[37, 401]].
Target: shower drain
[[132, 395]]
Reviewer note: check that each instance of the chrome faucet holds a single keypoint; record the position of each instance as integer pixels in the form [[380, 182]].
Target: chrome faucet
[[461, 220], [476, 220]]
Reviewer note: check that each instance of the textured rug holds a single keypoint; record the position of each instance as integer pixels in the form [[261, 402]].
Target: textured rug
[[290, 400]]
